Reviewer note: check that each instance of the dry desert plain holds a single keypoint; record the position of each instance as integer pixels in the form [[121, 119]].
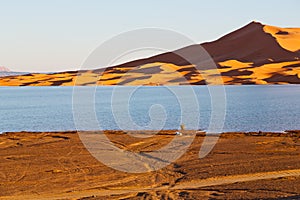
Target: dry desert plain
[[56, 165]]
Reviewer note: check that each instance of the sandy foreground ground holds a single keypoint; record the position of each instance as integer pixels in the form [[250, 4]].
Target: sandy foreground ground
[[56, 165]]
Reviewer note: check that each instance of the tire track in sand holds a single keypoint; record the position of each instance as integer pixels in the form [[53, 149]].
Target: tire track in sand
[[223, 180], [195, 184]]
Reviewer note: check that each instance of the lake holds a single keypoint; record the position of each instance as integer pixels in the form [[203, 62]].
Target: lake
[[247, 108]]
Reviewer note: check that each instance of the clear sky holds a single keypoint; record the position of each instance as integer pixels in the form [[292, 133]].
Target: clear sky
[[57, 35]]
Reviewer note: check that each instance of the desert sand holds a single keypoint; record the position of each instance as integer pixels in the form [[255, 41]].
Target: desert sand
[[56, 165], [253, 54]]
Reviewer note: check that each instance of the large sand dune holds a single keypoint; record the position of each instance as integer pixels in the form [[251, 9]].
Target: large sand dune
[[253, 54]]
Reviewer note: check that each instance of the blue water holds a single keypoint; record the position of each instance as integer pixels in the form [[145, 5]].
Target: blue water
[[248, 108]]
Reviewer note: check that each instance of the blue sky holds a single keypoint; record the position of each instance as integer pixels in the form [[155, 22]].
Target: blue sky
[[57, 35]]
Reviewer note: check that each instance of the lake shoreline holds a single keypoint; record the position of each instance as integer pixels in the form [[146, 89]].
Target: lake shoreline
[[56, 165], [285, 133]]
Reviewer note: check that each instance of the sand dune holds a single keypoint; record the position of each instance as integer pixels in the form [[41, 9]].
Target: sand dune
[[253, 54], [232, 72], [288, 38]]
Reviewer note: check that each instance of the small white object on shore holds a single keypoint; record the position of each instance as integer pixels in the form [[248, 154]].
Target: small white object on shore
[[178, 133]]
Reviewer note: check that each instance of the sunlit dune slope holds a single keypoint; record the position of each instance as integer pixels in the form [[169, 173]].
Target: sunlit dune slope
[[229, 72], [253, 54], [288, 38]]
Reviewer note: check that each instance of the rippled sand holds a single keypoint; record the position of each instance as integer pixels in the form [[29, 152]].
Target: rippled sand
[[57, 166]]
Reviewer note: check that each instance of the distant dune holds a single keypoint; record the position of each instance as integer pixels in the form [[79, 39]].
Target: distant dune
[[253, 54], [4, 71]]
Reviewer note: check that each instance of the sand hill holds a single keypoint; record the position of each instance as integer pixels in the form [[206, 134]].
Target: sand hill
[[4, 69], [253, 54]]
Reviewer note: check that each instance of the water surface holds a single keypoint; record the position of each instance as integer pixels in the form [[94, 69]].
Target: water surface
[[248, 108]]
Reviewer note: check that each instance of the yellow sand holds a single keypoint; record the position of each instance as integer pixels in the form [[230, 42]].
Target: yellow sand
[[169, 75], [235, 64], [290, 41]]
